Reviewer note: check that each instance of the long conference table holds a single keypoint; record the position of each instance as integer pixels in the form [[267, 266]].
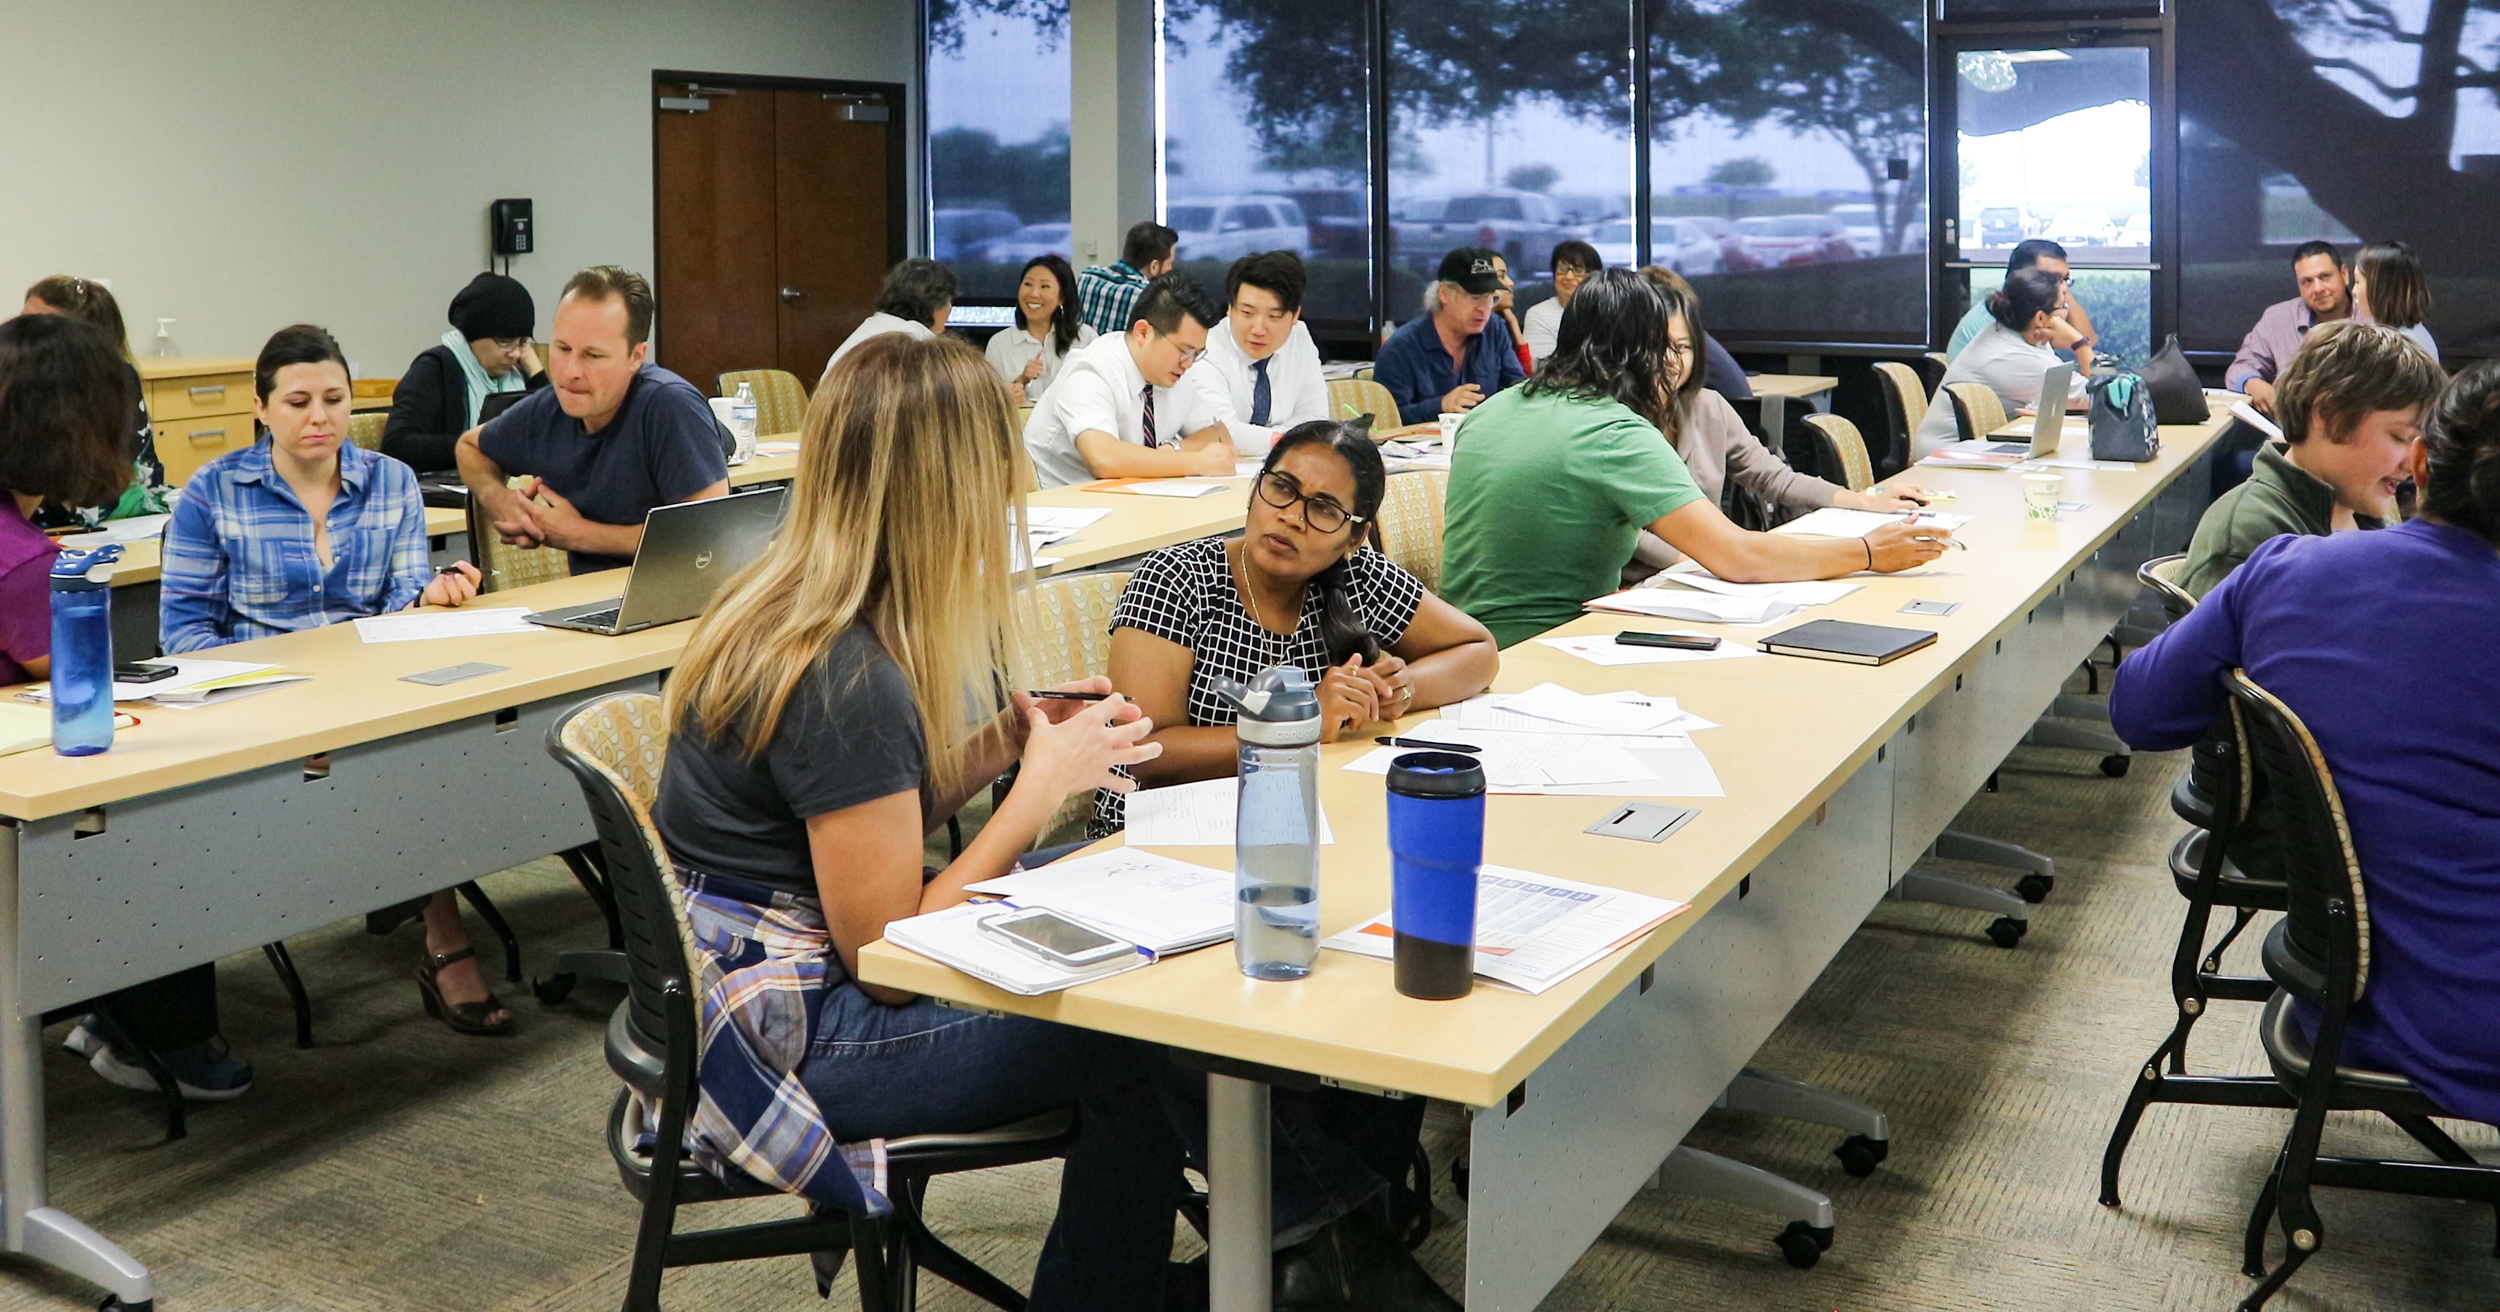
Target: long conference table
[[1837, 779], [204, 833]]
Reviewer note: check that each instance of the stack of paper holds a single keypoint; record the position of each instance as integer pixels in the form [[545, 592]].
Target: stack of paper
[[1534, 931], [1835, 522], [1154, 487], [954, 937], [1552, 708], [1602, 649], [1705, 607], [1819, 593], [137, 528], [460, 622], [1192, 815], [196, 681], [1151, 900], [24, 728]]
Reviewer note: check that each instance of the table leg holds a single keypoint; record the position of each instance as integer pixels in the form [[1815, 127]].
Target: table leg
[[47, 1234], [1239, 1229], [1775, 423]]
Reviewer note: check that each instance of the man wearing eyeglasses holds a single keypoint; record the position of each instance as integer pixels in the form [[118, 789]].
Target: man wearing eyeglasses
[[2044, 254], [1113, 413]]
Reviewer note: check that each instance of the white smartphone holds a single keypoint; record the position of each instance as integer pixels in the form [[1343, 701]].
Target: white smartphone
[[1055, 938]]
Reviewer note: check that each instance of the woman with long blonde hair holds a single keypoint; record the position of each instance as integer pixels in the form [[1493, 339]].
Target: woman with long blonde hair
[[832, 708]]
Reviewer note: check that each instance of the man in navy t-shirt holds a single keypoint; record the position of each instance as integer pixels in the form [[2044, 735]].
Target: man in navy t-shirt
[[1458, 353], [614, 437]]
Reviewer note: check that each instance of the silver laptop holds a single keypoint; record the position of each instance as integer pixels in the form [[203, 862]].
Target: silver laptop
[[2050, 424], [688, 551]]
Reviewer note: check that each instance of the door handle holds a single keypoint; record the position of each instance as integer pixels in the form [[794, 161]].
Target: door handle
[[792, 296]]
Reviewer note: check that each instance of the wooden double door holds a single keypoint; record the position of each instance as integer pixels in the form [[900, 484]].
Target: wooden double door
[[778, 206]]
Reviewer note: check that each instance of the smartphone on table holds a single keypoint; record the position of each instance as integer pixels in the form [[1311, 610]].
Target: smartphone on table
[[1055, 938], [1678, 641], [134, 672]]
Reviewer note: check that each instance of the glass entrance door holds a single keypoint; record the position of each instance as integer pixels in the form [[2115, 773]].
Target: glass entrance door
[[2062, 143]]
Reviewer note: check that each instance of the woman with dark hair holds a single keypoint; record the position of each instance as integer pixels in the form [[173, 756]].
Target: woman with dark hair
[[1298, 587], [145, 494], [1049, 325], [2381, 643], [1553, 480], [444, 392], [914, 300], [1573, 262], [2388, 287], [305, 528], [2013, 354]]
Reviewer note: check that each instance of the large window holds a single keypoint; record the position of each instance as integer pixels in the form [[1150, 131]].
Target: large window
[[1788, 168], [998, 98], [2337, 119], [1265, 144]]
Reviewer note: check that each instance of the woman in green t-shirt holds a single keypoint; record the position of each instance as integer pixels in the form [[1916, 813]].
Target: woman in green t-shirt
[[1556, 478]]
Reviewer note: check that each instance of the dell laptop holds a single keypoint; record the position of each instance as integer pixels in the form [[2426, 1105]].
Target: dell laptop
[[688, 551]]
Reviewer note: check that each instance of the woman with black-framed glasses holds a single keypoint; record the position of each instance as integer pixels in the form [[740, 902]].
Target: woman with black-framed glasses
[[1298, 586]]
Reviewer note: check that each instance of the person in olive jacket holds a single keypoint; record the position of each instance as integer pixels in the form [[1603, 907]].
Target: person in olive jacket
[[488, 350]]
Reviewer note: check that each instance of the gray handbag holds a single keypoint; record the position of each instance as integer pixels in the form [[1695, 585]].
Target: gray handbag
[[2122, 418]]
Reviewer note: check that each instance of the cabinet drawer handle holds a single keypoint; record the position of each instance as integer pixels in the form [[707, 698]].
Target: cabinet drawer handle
[[207, 436], [216, 390]]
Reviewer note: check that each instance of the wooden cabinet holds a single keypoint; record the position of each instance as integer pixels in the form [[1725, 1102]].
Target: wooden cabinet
[[201, 409]]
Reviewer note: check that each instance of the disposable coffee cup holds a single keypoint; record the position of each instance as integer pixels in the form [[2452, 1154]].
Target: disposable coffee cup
[[1436, 850], [2040, 493], [1450, 420]]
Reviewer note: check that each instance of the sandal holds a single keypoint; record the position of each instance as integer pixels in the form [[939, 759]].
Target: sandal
[[462, 1017]]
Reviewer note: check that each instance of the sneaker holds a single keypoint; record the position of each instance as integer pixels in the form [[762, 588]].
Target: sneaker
[[83, 1039], [206, 1071]]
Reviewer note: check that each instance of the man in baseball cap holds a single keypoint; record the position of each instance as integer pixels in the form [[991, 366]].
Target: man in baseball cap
[[1457, 352]]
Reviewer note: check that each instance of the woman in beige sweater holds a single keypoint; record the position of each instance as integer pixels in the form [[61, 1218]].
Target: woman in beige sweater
[[1717, 447]]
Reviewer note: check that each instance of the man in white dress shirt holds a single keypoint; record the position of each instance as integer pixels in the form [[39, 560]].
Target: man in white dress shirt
[[1262, 373], [914, 300], [1115, 413]]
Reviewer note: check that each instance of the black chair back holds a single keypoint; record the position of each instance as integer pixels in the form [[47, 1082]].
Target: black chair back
[[655, 950], [2321, 953]]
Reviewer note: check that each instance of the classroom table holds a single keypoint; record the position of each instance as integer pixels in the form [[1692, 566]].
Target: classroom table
[[1837, 779], [1775, 391]]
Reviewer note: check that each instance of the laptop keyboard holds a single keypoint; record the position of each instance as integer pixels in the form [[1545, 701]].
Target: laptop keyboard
[[2011, 448], [599, 619]]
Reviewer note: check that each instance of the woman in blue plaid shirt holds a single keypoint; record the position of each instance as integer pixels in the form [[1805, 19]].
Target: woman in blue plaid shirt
[[302, 529]]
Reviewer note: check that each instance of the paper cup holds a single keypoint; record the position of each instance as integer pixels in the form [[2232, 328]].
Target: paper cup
[[2040, 494], [1450, 420]]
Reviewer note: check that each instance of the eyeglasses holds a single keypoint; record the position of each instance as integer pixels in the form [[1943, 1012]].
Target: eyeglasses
[[1321, 512], [1189, 354]]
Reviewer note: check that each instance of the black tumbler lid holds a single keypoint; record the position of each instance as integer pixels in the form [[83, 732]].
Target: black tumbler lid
[[1436, 774]]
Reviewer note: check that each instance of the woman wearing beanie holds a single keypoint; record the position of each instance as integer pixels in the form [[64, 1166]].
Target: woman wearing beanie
[[488, 350]]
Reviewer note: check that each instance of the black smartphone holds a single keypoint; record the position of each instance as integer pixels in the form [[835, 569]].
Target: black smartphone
[[1679, 641], [131, 673]]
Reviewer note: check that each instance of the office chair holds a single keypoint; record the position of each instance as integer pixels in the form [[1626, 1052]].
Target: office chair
[[1352, 398], [1905, 408], [614, 747], [780, 398], [1412, 515]]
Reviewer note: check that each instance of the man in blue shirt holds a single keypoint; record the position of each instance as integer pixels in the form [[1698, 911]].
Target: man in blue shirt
[[1107, 295], [615, 436], [1457, 354], [2041, 253]]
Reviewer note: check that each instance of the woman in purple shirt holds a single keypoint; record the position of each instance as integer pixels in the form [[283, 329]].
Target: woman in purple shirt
[[64, 412], [2381, 642]]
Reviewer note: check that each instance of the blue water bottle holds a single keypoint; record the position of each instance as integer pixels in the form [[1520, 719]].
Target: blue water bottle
[[1436, 849], [1276, 834], [82, 650]]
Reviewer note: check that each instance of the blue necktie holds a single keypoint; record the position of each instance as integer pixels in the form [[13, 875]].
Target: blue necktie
[[1262, 397]]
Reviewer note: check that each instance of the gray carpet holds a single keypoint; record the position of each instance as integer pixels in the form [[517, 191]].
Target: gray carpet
[[398, 1166]]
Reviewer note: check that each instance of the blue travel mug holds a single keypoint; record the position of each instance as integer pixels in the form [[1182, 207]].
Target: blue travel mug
[[1436, 847]]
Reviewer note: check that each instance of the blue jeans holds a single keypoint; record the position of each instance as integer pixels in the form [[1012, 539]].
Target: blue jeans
[[922, 1068]]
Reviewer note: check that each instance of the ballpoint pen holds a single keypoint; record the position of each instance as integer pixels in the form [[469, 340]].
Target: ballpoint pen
[[1428, 745]]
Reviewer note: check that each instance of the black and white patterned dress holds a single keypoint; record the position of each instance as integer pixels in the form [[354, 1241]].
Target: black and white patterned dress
[[1185, 594]]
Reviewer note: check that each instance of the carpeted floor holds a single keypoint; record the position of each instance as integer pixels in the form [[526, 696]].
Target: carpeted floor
[[398, 1166]]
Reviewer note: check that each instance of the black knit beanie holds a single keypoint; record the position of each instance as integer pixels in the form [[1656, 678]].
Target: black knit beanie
[[493, 305]]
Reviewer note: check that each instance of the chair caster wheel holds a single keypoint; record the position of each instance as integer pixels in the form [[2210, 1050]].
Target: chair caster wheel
[[1802, 1245], [553, 990], [1458, 1175], [2005, 931], [1859, 1155], [2115, 766], [2035, 887], [114, 1303]]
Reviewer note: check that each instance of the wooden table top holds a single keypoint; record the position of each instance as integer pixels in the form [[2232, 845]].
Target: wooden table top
[[1793, 386]]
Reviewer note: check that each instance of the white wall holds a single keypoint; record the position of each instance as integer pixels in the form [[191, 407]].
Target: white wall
[[240, 165]]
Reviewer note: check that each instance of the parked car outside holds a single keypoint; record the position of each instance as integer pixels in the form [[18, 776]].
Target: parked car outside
[[2137, 231], [961, 235], [1522, 225], [1033, 239], [1865, 228], [2004, 225], [1229, 227], [1616, 244], [1782, 240], [1340, 219], [1588, 211], [2081, 226]]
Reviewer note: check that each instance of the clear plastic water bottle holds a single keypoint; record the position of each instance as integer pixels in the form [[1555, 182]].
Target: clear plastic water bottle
[[1276, 839], [742, 423], [82, 650]]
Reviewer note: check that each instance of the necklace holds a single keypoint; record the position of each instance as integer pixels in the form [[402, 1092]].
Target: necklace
[[1249, 595]]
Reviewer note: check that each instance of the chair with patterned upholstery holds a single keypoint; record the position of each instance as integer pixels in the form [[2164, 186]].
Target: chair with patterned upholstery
[[504, 567], [1066, 623], [1905, 408], [780, 398], [1846, 448], [1977, 409], [1410, 523], [1352, 397], [614, 747], [364, 428]]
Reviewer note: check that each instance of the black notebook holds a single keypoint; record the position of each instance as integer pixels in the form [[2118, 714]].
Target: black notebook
[[1840, 640]]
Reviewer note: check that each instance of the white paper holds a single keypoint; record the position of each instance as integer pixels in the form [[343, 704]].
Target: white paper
[[1161, 904], [1193, 815], [1836, 522], [1534, 931], [1604, 650], [1552, 701], [2106, 466], [1060, 519], [1493, 711], [194, 671], [1702, 607], [776, 448], [1814, 593], [2247, 413], [137, 528], [1525, 762], [954, 937], [462, 622], [1174, 488]]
